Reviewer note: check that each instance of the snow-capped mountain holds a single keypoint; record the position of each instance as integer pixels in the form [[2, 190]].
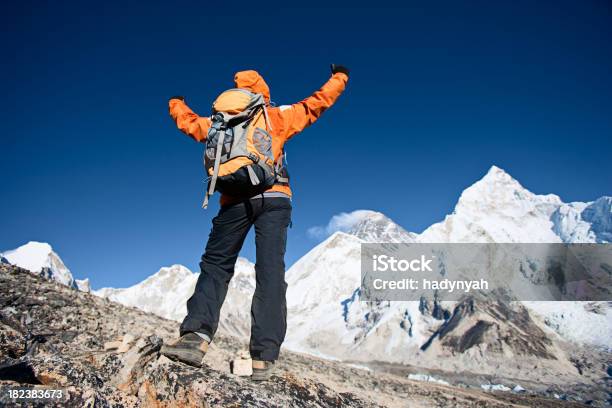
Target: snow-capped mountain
[[163, 293], [326, 317], [370, 226], [498, 209], [39, 258], [166, 292], [494, 209]]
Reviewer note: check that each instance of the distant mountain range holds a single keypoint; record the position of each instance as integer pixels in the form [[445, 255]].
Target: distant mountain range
[[326, 317]]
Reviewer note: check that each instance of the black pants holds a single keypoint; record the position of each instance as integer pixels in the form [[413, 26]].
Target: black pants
[[271, 217]]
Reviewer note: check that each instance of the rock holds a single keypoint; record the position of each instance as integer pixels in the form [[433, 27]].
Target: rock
[[139, 377], [12, 342], [134, 361], [242, 367], [112, 345], [128, 339], [163, 360], [126, 343], [52, 378]]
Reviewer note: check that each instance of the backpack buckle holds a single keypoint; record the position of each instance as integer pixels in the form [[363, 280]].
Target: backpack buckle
[[253, 157]]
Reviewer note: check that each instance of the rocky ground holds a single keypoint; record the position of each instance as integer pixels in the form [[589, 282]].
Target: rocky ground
[[54, 337]]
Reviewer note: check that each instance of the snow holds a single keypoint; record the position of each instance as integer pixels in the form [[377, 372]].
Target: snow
[[581, 322], [33, 256], [163, 293], [166, 292], [83, 285], [317, 285], [325, 314], [568, 223], [39, 258], [370, 226], [494, 387], [497, 209], [324, 308], [426, 378], [599, 214]]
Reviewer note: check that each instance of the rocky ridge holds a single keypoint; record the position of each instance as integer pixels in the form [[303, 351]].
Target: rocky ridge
[[52, 336]]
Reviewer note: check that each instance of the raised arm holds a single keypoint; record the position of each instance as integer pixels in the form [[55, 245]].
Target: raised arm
[[187, 121], [300, 115]]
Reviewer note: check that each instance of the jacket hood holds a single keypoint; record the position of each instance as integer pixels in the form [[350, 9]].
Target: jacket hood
[[252, 81]]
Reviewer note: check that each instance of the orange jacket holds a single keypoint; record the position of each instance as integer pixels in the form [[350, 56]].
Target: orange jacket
[[285, 120]]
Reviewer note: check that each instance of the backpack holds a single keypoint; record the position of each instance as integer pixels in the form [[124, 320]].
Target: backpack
[[238, 157]]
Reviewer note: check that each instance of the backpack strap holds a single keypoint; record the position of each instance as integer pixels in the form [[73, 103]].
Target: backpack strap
[[279, 166], [213, 180], [266, 118], [254, 179]]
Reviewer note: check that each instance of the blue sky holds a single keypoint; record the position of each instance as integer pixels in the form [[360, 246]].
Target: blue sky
[[91, 162]]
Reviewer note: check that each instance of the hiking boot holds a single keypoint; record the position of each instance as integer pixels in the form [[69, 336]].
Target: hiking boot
[[189, 349], [262, 370]]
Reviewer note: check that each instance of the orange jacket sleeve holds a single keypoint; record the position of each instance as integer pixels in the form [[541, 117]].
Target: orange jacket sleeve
[[187, 121], [300, 115]]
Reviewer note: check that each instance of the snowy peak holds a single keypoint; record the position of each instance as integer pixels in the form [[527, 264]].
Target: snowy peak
[[39, 258], [498, 191], [370, 226], [33, 256], [166, 292], [160, 293], [326, 316], [167, 276], [499, 176], [497, 208]]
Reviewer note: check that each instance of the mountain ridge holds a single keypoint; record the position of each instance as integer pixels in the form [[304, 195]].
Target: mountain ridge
[[326, 317], [68, 338]]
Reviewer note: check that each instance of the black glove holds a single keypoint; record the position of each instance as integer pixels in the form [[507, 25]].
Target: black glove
[[339, 68], [182, 98]]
